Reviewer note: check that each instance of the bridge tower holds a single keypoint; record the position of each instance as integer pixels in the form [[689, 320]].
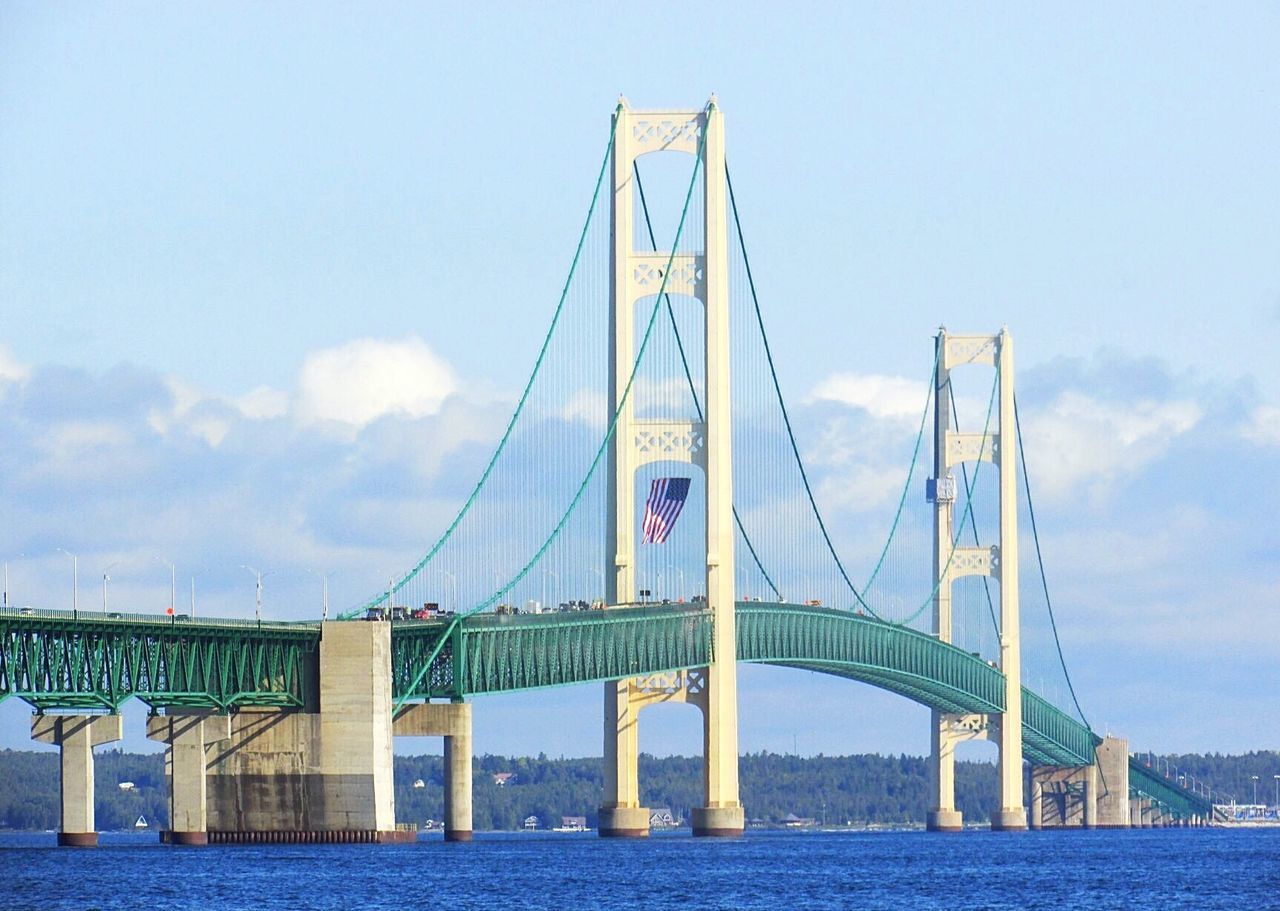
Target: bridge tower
[[706, 443], [951, 448]]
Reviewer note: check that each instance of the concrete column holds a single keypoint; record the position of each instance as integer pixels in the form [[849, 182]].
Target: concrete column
[[355, 727], [620, 811], [452, 721], [76, 736], [1113, 805], [1037, 804], [188, 736], [1091, 797], [943, 815], [1012, 814], [457, 777], [621, 815], [722, 814]]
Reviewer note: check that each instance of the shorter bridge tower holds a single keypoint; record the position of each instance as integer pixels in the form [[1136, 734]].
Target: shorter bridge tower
[[1000, 561]]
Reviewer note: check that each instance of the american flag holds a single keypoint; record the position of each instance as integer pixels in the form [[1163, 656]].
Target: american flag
[[666, 499]]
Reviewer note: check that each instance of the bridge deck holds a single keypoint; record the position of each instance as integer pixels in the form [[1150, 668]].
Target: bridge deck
[[53, 659]]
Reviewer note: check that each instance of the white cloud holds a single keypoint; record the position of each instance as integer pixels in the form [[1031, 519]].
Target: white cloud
[[1080, 440], [211, 418], [1264, 427], [361, 381], [879, 395], [587, 406], [263, 403], [10, 369]]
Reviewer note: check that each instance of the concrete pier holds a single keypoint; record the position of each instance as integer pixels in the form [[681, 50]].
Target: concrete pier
[[1089, 796], [189, 736], [452, 721], [76, 736], [323, 774], [1112, 760]]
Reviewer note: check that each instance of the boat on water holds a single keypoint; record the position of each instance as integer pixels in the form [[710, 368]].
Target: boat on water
[[142, 823]]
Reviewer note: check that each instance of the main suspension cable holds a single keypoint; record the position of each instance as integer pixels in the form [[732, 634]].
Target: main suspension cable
[[1044, 582], [524, 396], [777, 388]]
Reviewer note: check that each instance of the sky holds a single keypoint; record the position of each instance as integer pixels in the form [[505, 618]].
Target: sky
[[250, 261]]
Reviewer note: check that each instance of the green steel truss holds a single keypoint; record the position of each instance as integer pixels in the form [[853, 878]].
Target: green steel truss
[[908, 662], [57, 660], [1166, 793], [491, 653]]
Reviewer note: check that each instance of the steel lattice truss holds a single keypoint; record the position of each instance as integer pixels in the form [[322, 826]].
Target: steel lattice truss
[[56, 661], [98, 663]]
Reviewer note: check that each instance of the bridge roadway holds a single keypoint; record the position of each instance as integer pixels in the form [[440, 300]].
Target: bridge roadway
[[57, 660]]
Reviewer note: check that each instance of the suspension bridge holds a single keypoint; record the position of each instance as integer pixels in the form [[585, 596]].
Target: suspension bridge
[[548, 574]]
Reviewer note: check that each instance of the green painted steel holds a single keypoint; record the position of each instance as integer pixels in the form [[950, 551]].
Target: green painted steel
[[908, 662], [57, 660], [54, 659], [492, 653], [1180, 802]]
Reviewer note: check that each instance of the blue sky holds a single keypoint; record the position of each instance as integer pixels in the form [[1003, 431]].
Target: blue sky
[[241, 250]]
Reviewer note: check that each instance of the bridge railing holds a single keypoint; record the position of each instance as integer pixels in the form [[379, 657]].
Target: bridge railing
[[113, 618]]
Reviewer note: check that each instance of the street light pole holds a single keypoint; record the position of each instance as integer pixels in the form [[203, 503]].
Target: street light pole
[[75, 580], [324, 593], [1255, 789], [105, 579], [257, 600], [173, 582], [1277, 778]]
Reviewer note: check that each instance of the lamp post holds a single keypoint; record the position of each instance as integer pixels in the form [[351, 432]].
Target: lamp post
[[257, 602], [1255, 789], [324, 593], [75, 583], [6, 581], [1277, 778], [105, 579], [173, 582]]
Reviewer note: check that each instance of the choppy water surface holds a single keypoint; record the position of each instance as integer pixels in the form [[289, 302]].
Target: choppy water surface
[[1169, 868]]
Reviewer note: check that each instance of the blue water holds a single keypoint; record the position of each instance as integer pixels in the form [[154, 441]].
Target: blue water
[[1169, 868]]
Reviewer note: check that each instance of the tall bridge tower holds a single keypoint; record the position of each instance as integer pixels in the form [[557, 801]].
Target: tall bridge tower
[[951, 562], [707, 444]]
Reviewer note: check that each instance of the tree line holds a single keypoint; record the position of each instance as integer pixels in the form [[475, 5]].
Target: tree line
[[835, 790]]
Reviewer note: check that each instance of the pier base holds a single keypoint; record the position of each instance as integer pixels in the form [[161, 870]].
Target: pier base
[[76, 736], [324, 769], [188, 735], [1010, 820], [718, 822], [944, 821], [624, 822]]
